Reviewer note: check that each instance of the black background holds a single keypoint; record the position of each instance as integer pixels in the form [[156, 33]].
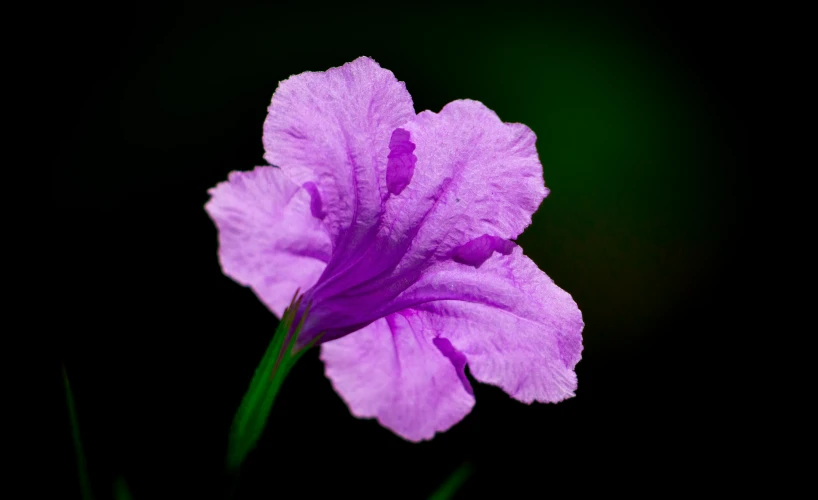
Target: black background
[[160, 345]]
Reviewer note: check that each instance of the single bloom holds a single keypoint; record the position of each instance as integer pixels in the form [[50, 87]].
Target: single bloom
[[400, 226]]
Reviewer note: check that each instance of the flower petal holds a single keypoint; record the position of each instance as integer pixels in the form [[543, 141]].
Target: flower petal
[[269, 239], [462, 183], [333, 128], [517, 329], [396, 371], [474, 176]]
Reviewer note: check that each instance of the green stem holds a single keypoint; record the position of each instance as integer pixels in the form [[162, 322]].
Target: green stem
[[254, 410]]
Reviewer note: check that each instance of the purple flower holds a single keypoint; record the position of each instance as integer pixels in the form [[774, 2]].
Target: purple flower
[[399, 226]]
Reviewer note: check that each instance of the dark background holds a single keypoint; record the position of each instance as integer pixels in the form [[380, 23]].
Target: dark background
[[642, 117]]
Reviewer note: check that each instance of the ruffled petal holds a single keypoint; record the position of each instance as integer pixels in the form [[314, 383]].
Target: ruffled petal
[[474, 176], [396, 371], [269, 239], [517, 329], [333, 128]]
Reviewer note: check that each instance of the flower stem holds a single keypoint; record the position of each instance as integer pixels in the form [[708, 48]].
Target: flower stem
[[254, 411]]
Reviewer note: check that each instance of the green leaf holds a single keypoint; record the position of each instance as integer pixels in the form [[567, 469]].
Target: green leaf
[[254, 410], [453, 483], [82, 470]]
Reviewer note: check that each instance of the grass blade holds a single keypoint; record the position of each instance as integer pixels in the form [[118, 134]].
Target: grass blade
[[121, 491], [82, 469], [453, 483]]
